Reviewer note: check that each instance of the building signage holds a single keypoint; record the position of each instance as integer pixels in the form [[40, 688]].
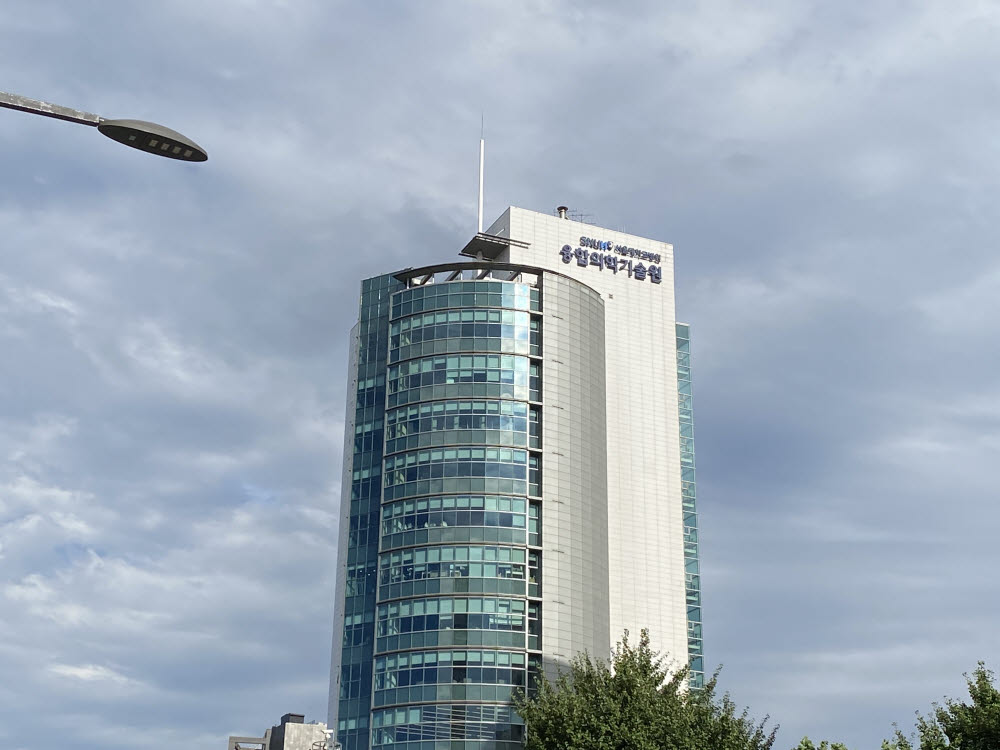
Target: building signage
[[606, 261], [620, 249]]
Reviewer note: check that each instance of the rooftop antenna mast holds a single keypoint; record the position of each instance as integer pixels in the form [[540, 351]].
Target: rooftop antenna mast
[[482, 161]]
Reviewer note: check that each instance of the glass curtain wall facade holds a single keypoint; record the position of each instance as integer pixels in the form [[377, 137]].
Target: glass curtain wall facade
[[362, 540], [453, 574], [692, 573]]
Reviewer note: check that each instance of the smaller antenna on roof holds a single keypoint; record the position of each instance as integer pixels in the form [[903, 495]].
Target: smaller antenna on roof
[[482, 161]]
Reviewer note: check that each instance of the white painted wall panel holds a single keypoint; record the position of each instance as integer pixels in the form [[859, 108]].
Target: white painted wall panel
[[575, 614], [645, 524]]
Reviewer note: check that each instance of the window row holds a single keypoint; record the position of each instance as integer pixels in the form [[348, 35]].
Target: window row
[[464, 569], [434, 638], [454, 331], [414, 418], [413, 659], [464, 344], [446, 722], [407, 302], [359, 577], [504, 317], [506, 463], [444, 535], [453, 510], [492, 423], [452, 621], [355, 681], [692, 580], [448, 674], [479, 376], [447, 606], [357, 635], [463, 362], [401, 309], [418, 676], [365, 495], [439, 438], [369, 470], [409, 395], [493, 693], [368, 443], [484, 454], [493, 286], [430, 586], [350, 724], [459, 484], [535, 524], [467, 420], [453, 502], [445, 518], [458, 553], [451, 376], [453, 469]]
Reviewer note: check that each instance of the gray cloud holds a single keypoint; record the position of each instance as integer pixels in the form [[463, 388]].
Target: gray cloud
[[174, 335]]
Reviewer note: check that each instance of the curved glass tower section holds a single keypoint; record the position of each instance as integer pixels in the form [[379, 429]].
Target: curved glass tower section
[[455, 629]]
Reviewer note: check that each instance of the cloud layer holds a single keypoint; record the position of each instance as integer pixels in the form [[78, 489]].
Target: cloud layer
[[174, 336]]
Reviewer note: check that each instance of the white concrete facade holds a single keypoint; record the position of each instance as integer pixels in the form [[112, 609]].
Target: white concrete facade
[[642, 454], [575, 614]]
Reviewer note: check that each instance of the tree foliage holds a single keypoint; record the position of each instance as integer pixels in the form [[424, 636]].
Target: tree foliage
[[632, 703], [958, 726], [807, 744]]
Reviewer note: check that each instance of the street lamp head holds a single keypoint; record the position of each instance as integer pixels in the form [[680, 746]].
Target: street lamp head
[[153, 139]]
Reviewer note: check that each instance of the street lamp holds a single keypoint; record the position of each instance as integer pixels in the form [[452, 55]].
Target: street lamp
[[145, 136]]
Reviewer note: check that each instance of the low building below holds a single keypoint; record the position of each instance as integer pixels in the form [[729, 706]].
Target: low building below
[[291, 734]]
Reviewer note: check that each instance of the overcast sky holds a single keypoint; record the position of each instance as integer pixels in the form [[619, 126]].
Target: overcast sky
[[173, 335]]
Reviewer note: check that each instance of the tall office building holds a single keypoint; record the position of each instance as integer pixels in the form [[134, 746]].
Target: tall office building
[[518, 480]]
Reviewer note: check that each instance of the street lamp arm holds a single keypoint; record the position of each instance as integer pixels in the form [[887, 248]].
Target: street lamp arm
[[36, 107], [145, 136]]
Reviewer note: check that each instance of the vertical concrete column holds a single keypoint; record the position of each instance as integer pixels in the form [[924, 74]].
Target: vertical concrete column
[[575, 613]]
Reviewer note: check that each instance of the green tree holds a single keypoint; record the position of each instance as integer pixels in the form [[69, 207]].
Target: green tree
[[807, 744], [958, 726], [632, 703]]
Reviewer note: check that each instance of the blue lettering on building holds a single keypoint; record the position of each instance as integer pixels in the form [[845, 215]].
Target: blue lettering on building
[[619, 249], [612, 263]]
